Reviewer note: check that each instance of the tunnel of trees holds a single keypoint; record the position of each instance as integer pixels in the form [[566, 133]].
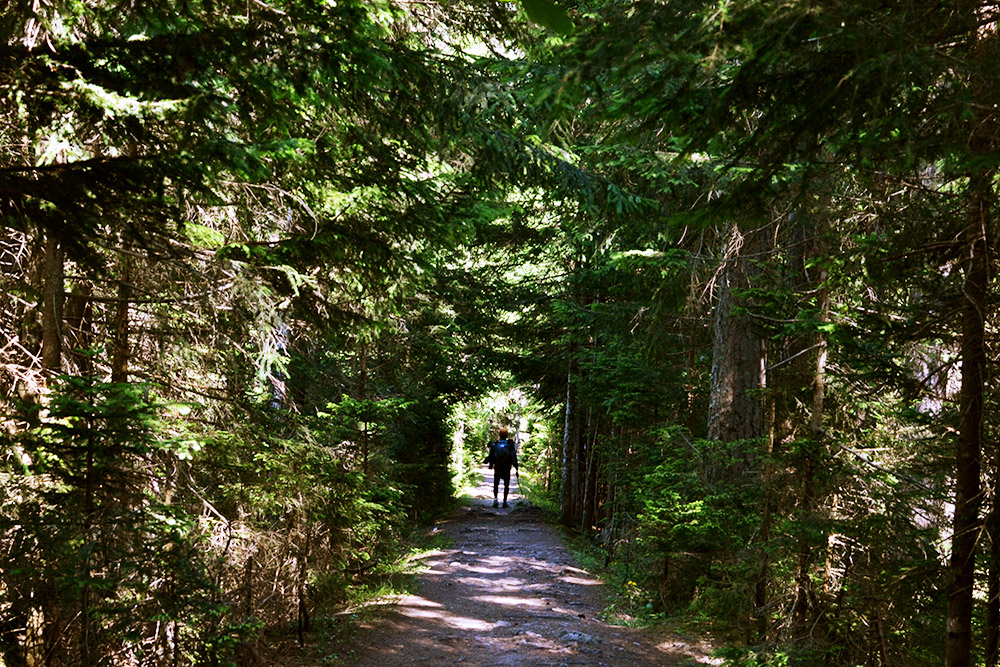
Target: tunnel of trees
[[272, 269]]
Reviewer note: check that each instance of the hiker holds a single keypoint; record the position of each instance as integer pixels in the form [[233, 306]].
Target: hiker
[[503, 455]]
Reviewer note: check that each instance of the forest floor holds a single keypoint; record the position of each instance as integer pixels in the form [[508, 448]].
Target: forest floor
[[505, 591]]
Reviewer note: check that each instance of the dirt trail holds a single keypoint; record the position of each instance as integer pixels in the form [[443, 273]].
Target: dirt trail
[[507, 593]]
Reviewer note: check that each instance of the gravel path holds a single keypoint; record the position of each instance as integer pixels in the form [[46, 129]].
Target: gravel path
[[506, 592]]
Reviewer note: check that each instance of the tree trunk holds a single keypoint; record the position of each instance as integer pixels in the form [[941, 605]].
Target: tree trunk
[[735, 408], [978, 243], [588, 503], [566, 506], [992, 641], [962, 566], [52, 305]]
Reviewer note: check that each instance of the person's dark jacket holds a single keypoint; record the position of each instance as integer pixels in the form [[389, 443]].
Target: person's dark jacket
[[491, 458]]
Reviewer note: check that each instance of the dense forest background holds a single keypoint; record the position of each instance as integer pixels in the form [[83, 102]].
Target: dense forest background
[[273, 270]]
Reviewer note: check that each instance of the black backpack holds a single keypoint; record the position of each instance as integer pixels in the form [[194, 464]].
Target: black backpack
[[503, 454]]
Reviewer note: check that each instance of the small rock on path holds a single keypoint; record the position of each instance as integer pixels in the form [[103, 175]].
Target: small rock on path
[[508, 593]]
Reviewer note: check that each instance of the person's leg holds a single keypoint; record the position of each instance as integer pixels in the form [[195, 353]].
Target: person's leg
[[506, 486], [496, 486]]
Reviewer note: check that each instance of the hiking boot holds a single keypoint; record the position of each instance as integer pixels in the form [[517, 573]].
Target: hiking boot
[[496, 503], [505, 503]]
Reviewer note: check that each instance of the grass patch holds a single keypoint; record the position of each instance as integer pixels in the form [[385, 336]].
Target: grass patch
[[533, 491], [463, 496]]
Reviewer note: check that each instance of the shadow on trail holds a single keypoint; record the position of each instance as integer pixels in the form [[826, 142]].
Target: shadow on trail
[[506, 592]]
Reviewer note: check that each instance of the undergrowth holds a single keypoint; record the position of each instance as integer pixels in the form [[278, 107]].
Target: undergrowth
[[627, 602], [359, 604]]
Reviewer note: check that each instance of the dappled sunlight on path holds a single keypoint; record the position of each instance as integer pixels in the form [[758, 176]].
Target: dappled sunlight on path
[[506, 592]]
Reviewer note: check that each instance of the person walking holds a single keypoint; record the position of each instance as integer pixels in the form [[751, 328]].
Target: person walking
[[502, 457]]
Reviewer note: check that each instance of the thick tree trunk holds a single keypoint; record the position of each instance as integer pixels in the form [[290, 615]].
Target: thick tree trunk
[[52, 305], [736, 402], [962, 566], [735, 408]]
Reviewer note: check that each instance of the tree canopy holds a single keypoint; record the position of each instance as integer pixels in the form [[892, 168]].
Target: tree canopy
[[274, 272]]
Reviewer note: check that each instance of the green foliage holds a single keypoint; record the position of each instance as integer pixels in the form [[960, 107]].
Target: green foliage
[[692, 503], [333, 237], [549, 14], [93, 541], [746, 657]]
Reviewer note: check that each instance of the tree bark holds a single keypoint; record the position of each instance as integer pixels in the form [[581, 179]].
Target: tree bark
[[566, 505], [978, 243], [958, 645], [735, 408]]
